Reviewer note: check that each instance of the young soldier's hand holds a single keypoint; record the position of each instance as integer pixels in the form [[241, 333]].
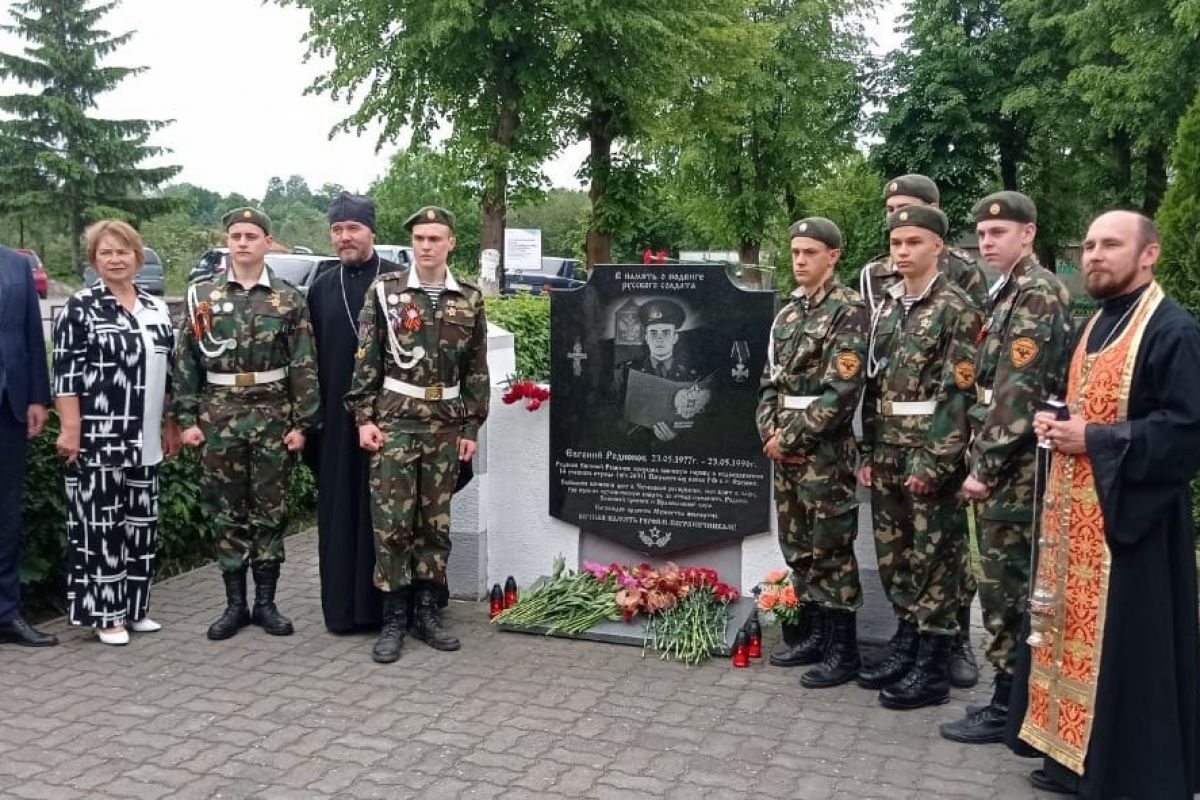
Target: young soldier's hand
[[974, 489], [294, 440], [864, 475], [370, 438], [192, 437], [466, 449], [916, 485]]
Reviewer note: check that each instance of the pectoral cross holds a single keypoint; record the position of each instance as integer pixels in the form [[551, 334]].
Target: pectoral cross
[[577, 357]]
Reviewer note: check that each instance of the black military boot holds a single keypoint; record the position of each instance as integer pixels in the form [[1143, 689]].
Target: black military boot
[[793, 634], [986, 725], [928, 682], [395, 624], [426, 625], [811, 648], [964, 670], [265, 614], [896, 661], [840, 663], [237, 615]]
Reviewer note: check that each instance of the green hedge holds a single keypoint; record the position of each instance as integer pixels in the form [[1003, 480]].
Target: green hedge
[[527, 317], [185, 533]]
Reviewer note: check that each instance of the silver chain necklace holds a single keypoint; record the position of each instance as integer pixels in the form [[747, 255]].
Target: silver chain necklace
[[346, 302]]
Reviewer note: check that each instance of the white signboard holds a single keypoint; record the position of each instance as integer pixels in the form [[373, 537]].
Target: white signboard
[[522, 250]]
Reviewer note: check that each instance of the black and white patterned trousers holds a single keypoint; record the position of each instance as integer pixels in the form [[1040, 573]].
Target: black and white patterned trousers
[[112, 519]]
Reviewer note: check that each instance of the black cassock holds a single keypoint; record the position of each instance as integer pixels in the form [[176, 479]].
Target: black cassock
[[1144, 741], [346, 544]]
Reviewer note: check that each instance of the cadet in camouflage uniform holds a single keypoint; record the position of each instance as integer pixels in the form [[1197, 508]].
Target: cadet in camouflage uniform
[[419, 395], [1022, 360], [964, 273], [246, 389], [920, 383], [809, 392]]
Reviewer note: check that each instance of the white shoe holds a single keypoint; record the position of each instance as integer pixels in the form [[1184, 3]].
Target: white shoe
[[145, 625], [118, 638]]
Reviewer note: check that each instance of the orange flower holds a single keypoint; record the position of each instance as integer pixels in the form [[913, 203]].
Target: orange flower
[[788, 596], [767, 599], [775, 576]]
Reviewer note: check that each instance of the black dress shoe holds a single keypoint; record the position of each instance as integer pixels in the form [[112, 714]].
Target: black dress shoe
[[15, 630], [1044, 783]]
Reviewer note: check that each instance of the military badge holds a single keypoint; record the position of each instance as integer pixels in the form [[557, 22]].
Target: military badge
[[691, 401], [364, 330], [202, 321], [994, 209], [393, 299], [411, 317], [740, 354], [964, 374], [848, 364], [1023, 351], [895, 187]]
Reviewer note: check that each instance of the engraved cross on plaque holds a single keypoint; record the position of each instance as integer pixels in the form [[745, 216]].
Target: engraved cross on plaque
[[577, 357]]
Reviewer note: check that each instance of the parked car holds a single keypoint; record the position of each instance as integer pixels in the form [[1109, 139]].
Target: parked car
[[396, 253], [40, 280], [149, 277], [300, 269], [556, 273], [211, 263]]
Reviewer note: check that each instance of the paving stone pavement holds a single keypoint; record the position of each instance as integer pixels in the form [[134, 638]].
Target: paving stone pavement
[[174, 715]]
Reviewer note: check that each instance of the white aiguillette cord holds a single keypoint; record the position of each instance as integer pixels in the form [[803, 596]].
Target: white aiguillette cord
[[403, 358]]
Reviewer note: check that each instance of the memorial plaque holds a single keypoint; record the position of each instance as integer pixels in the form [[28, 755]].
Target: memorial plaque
[[655, 372]]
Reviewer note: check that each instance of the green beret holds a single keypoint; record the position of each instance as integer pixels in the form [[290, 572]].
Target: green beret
[[246, 214], [1012, 206], [917, 186], [819, 228], [927, 217], [430, 214], [661, 312]]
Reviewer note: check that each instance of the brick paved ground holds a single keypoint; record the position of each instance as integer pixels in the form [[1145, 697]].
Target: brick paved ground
[[175, 715]]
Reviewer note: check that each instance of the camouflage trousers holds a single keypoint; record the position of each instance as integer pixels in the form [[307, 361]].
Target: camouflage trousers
[[919, 542], [818, 522], [1004, 586], [412, 482], [246, 468]]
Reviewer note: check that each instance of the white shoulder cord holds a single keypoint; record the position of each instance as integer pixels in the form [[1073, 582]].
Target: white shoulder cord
[[403, 358], [864, 286], [222, 345]]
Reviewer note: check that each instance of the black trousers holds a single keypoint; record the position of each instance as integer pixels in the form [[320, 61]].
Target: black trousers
[[112, 519], [14, 447]]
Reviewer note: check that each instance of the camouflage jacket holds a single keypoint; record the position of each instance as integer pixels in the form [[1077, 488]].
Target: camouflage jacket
[[256, 329], [402, 336], [1022, 359], [924, 354], [955, 264], [817, 349]]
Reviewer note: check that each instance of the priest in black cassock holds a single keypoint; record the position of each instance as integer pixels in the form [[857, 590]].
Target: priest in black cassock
[[346, 544], [1110, 695]]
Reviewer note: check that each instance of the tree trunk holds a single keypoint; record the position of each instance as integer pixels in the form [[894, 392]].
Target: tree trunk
[[494, 202], [599, 238], [1156, 179], [1008, 169], [1122, 168]]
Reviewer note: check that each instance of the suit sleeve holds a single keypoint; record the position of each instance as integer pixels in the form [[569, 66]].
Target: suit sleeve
[[39, 376]]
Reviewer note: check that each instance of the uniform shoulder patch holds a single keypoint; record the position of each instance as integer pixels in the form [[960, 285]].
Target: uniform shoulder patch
[[1023, 351], [848, 364], [964, 374]]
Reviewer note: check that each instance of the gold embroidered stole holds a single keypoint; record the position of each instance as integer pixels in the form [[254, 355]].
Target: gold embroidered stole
[[1074, 559]]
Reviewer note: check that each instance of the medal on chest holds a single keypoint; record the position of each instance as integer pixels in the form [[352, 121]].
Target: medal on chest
[[410, 317]]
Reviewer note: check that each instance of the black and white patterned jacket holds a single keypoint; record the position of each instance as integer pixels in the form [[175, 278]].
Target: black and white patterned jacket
[[99, 356]]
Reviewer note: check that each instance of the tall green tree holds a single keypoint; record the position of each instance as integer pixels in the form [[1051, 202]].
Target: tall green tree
[[487, 68], [755, 141], [53, 153], [1179, 217]]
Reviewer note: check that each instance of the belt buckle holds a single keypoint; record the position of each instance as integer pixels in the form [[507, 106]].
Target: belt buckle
[[434, 392], [243, 379], [885, 408]]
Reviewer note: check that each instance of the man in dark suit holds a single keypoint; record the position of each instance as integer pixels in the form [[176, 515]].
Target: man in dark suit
[[24, 395]]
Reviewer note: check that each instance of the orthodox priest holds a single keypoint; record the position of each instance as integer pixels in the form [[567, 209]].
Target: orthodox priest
[[1111, 696], [346, 544]]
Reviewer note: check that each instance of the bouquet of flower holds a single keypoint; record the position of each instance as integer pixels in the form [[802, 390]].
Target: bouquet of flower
[[533, 394], [776, 596], [569, 602]]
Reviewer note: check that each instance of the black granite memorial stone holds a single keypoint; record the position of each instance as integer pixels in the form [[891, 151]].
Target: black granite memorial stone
[[655, 373]]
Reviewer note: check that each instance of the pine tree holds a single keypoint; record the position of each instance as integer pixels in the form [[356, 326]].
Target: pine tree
[[55, 157], [1179, 217]]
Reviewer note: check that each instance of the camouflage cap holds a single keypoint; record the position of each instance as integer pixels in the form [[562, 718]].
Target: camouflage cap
[[430, 214], [918, 186], [662, 312], [819, 228], [247, 214], [927, 217], [1012, 206]]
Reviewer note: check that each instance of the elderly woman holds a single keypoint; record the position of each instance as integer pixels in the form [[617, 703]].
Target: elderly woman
[[113, 346]]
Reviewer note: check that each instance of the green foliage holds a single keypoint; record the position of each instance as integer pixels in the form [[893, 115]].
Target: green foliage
[[851, 196], [54, 158], [185, 534], [527, 317], [1179, 218], [178, 242], [562, 218]]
